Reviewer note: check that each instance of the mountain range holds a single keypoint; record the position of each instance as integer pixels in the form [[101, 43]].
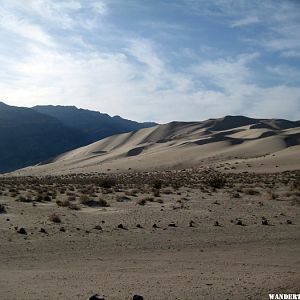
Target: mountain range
[[32, 135]]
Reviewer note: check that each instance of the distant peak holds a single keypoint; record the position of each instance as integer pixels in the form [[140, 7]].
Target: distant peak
[[3, 104]]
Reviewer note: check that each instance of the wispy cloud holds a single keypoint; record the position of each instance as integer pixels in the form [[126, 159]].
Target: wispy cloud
[[249, 20]]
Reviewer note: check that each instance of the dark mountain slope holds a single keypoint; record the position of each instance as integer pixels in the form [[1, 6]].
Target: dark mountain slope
[[94, 124], [28, 137]]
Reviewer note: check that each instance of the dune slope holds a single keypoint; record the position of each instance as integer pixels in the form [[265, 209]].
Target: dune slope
[[230, 143]]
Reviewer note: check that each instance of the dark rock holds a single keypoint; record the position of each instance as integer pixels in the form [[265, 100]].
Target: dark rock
[[264, 221], [121, 226], [139, 226], [42, 230], [137, 297], [98, 227], [22, 231], [62, 229], [191, 224], [96, 297], [289, 222], [154, 226], [2, 209], [217, 223], [172, 225], [239, 222]]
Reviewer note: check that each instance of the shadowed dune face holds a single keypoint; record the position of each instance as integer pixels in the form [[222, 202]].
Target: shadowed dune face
[[238, 141]]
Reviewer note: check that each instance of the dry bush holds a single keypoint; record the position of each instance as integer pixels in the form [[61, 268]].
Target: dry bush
[[216, 181], [74, 206], [272, 195], [167, 191], [27, 199], [85, 200], [156, 192], [63, 203], [107, 182], [251, 192], [122, 198], [54, 218], [295, 201], [142, 201], [72, 198]]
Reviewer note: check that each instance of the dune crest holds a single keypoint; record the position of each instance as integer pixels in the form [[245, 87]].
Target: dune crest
[[229, 143]]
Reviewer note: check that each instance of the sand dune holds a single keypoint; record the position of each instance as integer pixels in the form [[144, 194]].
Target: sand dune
[[234, 143]]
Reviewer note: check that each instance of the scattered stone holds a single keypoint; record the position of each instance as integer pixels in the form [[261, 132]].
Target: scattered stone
[[62, 229], [264, 221], [42, 230], [236, 195], [98, 227], [137, 297], [2, 209], [239, 222], [217, 223], [121, 226], [96, 297], [154, 225], [22, 231], [139, 226], [289, 222], [172, 225], [191, 224]]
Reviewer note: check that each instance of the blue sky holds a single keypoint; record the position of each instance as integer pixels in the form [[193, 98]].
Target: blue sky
[[158, 60]]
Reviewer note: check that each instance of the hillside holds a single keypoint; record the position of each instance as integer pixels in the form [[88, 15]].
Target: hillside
[[93, 124], [29, 136], [229, 143]]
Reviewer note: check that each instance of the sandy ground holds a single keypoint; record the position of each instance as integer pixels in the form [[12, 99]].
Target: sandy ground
[[229, 261]]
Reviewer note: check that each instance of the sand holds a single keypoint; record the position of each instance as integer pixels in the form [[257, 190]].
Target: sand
[[200, 262], [267, 146]]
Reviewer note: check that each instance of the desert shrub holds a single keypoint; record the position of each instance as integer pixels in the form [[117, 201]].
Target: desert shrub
[[157, 184], [156, 192], [251, 192], [42, 197], [295, 184], [167, 191], [132, 193], [295, 201], [26, 199], [216, 181], [142, 202], [272, 195], [72, 198], [74, 206], [122, 198], [63, 203], [93, 203], [55, 218], [107, 182]]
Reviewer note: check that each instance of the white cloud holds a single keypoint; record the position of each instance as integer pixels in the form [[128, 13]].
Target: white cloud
[[24, 28], [137, 79], [249, 20]]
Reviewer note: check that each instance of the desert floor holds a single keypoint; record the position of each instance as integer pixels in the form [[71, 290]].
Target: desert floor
[[186, 257]]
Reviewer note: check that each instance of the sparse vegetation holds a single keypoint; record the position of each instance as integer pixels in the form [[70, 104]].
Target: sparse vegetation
[[55, 218]]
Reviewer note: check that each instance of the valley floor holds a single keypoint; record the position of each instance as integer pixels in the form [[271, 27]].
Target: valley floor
[[183, 256]]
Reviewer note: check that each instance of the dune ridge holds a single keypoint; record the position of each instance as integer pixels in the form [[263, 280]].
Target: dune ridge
[[233, 143]]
